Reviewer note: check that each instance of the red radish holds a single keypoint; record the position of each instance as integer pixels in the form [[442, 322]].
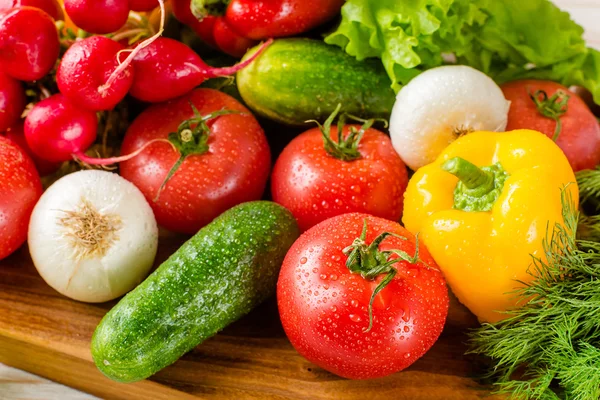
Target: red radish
[[166, 69], [56, 129], [85, 69], [12, 101], [229, 41], [98, 16], [143, 5], [17, 135], [51, 7], [29, 43]]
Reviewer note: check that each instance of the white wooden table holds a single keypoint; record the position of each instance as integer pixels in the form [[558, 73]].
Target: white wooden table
[[20, 385]]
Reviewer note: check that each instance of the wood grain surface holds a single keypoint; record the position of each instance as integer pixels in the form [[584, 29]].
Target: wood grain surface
[[48, 335]]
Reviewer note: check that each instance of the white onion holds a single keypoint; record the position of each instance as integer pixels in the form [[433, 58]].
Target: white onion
[[441, 104], [93, 236]]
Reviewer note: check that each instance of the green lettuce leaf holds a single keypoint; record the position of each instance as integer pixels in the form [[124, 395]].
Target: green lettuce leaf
[[507, 39], [409, 35]]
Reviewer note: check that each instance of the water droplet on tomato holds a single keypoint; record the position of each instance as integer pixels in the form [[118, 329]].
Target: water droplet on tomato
[[354, 303], [303, 260], [323, 276], [406, 329], [355, 318], [407, 355]]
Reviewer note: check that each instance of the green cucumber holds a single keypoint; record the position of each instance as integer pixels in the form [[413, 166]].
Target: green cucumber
[[295, 80], [219, 275]]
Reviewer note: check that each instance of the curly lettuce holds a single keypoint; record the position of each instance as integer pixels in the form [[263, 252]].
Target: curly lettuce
[[508, 39]]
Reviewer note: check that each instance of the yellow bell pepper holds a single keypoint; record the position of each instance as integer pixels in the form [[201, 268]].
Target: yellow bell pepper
[[483, 208]]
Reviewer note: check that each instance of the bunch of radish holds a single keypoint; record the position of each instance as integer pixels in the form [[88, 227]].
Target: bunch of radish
[[93, 235], [96, 71]]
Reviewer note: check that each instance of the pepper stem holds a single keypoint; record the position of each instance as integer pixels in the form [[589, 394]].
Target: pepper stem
[[477, 188], [470, 174]]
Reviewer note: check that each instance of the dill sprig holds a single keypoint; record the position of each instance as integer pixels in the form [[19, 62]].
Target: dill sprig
[[549, 348], [589, 187]]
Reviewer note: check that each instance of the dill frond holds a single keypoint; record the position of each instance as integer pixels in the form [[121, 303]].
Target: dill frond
[[549, 348]]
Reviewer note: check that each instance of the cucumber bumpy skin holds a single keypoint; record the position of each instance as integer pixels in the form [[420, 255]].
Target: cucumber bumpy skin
[[219, 275], [295, 80]]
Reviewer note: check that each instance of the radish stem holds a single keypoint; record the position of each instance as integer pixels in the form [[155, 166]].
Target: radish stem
[[132, 53]]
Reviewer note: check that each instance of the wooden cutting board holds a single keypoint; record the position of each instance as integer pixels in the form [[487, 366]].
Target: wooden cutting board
[[48, 334]]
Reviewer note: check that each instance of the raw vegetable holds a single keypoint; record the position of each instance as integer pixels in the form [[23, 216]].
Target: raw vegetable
[[98, 16], [143, 5], [225, 38], [28, 43], [261, 20], [92, 236], [166, 69], [549, 347], [51, 7], [12, 101], [213, 161], [235, 26], [508, 40], [296, 80], [482, 209], [20, 189], [360, 297], [219, 275], [562, 115], [85, 68], [56, 129], [17, 135], [214, 30], [328, 171], [441, 105]]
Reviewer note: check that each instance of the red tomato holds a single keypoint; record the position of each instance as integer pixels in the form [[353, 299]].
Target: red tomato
[[204, 29], [579, 137], [324, 307], [315, 186], [233, 170], [43, 167], [228, 41], [20, 189], [264, 19]]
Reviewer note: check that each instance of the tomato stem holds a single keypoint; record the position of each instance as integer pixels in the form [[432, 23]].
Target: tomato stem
[[344, 149], [370, 262], [191, 138], [552, 107]]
